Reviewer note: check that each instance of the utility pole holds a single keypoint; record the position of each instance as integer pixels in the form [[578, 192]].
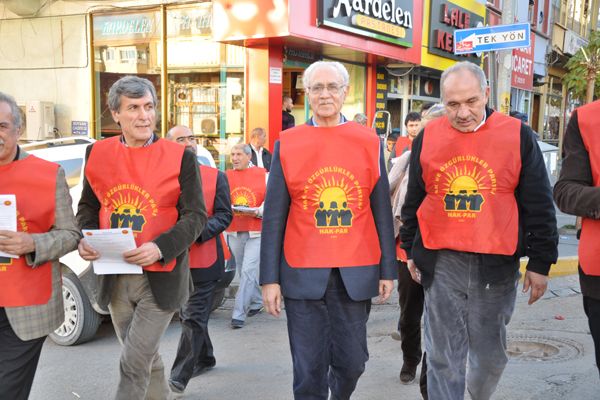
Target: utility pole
[[504, 60]]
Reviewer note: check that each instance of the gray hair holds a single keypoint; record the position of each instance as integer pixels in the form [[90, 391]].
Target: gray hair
[[435, 111], [257, 131], [337, 66], [465, 66], [360, 118], [170, 131], [14, 109], [244, 147], [130, 86]]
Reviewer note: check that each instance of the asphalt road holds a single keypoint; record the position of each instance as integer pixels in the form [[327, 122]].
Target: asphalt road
[[253, 363]]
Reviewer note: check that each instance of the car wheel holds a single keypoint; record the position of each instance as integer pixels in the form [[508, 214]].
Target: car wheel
[[218, 299], [81, 320]]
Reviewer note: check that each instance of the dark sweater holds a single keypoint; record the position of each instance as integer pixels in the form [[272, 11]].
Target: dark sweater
[[575, 192], [538, 236]]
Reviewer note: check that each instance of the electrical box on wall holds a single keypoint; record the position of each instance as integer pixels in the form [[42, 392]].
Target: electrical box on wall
[[39, 120]]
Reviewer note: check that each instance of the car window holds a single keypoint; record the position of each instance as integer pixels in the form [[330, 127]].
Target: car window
[[72, 169]]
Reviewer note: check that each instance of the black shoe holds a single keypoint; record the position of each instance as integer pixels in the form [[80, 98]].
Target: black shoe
[[237, 324], [408, 374], [252, 313], [200, 369], [176, 387]]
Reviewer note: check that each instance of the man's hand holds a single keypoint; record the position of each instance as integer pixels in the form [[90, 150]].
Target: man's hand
[[86, 251], [17, 243], [271, 293], [146, 254], [538, 284], [414, 271], [385, 289]]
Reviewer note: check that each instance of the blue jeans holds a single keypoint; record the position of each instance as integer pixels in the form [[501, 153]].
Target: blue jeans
[[466, 316]]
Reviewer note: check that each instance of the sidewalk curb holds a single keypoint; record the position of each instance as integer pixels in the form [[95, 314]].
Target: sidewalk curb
[[564, 266]]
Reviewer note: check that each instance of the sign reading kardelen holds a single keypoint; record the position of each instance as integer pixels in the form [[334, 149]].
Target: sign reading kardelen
[[522, 67], [491, 38], [387, 20]]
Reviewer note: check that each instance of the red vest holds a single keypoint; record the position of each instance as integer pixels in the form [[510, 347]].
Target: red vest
[[248, 188], [588, 118], [138, 188], [330, 173], [470, 203], [33, 182], [203, 255]]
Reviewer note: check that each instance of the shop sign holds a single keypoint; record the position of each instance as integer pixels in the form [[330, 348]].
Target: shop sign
[[573, 42], [491, 38], [127, 26], [522, 67], [79, 128], [299, 55], [429, 87], [381, 101], [196, 21], [445, 18], [387, 20]]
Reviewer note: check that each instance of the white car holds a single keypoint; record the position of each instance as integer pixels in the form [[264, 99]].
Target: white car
[[82, 314]]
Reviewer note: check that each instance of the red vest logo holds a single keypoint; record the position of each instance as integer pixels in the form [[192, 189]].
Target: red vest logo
[[465, 180], [243, 196], [333, 192], [129, 209]]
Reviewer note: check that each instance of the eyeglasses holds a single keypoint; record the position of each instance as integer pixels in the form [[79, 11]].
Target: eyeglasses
[[184, 139], [332, 88]]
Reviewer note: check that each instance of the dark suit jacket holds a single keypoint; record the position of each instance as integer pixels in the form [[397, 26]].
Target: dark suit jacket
[[266, 158], [170, 289], [215, 225], [361, 283]]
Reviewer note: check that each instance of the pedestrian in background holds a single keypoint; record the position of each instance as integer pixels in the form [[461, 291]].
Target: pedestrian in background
[[327, 245], [247, 186], [260, 156], [152, 186], [31, 300], [360, 118], [287, 119], [577, 192], [478, 199], [207, 264]]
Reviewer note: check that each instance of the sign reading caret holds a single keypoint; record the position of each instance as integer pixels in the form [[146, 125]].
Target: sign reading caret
[[387, 20]]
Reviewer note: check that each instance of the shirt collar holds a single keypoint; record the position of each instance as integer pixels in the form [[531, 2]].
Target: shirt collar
[[148, 142], [312, 122]]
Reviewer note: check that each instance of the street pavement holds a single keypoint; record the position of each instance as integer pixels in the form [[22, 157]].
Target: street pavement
[[253, 363]]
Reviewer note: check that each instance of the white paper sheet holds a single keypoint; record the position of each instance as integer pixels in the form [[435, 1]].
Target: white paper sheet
[[8, 217], [111, 244]]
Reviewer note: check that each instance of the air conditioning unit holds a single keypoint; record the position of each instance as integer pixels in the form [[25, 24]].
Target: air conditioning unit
[[39, 119], [205, 125]]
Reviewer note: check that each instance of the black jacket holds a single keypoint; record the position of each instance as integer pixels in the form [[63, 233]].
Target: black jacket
[[215, 225], [575, 192], [266, 158], [538, 236], [170, 289]]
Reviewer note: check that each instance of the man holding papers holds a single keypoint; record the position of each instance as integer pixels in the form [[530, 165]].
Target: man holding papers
[[207, 265], [151, 186], [33, 235], [248, 186]]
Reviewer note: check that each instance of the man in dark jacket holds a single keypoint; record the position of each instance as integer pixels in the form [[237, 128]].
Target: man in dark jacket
[[260, 155], [207, 264], [478, 199], [577, 192], [152, 186]]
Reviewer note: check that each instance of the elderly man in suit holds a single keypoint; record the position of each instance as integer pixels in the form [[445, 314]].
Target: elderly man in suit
[[152, 186], [327, 238], [31, 303]]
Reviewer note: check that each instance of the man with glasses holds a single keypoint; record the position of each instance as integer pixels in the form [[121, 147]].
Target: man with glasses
[[328, 243], [207, 263]]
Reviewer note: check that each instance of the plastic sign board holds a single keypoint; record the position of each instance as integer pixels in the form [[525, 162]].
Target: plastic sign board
[[490, 38]]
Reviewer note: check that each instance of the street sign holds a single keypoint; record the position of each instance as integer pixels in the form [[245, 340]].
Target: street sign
[[490, 38]]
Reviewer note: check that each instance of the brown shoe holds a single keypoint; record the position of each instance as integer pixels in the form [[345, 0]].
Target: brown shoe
[[407, 374]]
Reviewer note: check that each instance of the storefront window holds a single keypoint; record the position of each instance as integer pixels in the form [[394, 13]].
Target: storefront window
[[355, 100], [205, 79], [124, 44]]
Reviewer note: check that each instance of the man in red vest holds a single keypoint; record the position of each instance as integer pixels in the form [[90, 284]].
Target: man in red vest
[[31, 302], [577, 192], [152, 186], [328, 241], [478, 199], [248, 185], [207, 265]]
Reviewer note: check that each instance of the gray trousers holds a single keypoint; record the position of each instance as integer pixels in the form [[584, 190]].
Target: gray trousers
[[246, 251], [465, 317], [139, 325]]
